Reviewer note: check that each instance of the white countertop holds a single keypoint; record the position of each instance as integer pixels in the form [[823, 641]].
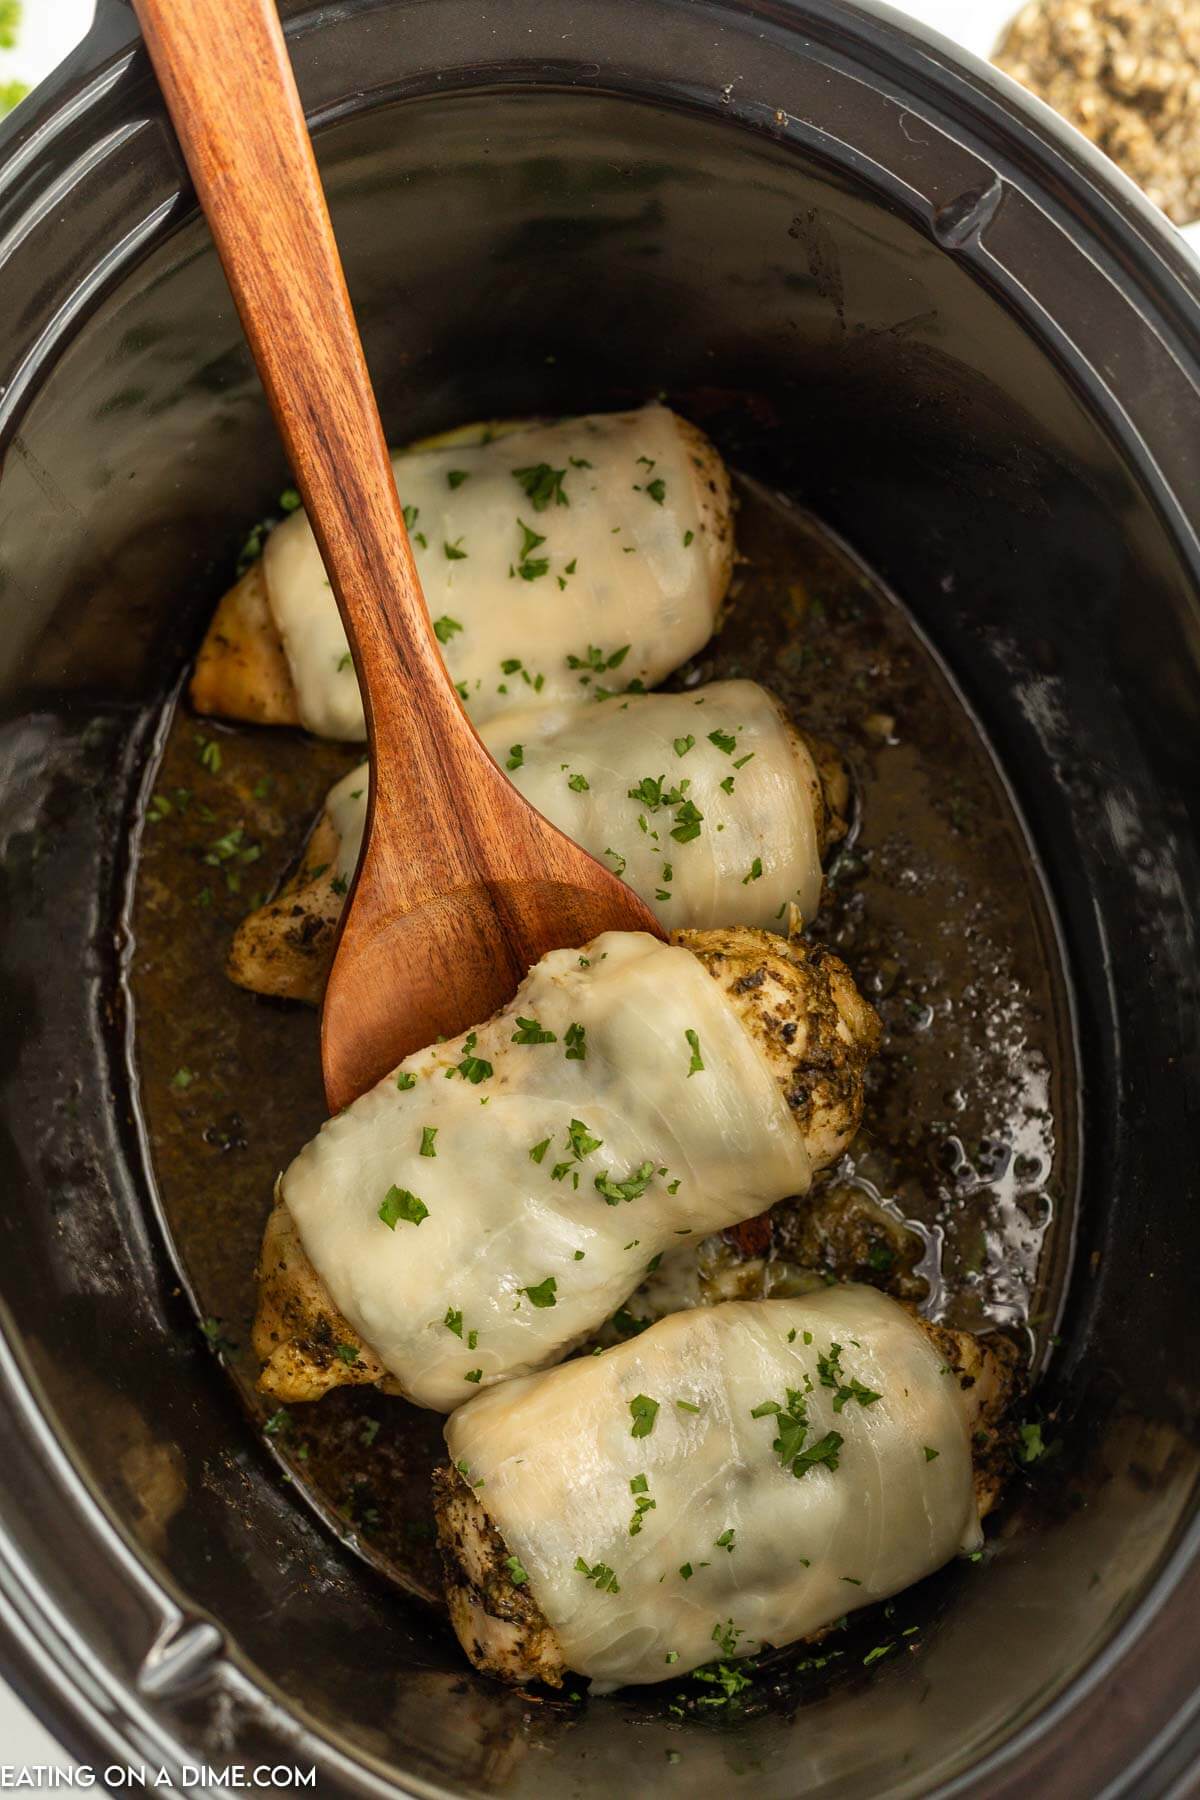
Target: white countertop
[[49, 28]]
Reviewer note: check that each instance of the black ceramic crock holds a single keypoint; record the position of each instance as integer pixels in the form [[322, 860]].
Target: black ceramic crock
[[967, 344]]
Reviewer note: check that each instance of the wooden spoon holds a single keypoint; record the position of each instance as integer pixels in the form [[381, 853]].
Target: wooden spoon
[[461, 884]]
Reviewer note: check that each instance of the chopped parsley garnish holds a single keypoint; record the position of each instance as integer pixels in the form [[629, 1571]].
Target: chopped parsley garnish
[[832, 1375], [472, 1068], [618, 861], [874, 1655], [181, 1079], [404, 1081], [632, 1188], [516, 756], [726, 1540], [688, 538], [644, 1412], [428, 1140], [542, 485], [657, 490], [347, 1353], [754, 873], [581, 1140], [823, 1451], [600, 1575], [1032, 1446], [530, 1032], [696, 1065], [723, 741], [539, 1150], [596, 661], [445, 628], [930, 1454], [453, 1321], [456, 477], [475, 1375], [279, 1423], [727, 785], [642, 1503], [684, 744], [576, 1043], [454, 552], [685, 1569], [529, 567], [793, 1426], [209, 756], [411, 515], [687, 823], [399, 1204], [687, 1406], [743, 760], [516, 1574], [578, 784], [544, 1294], [726, 1637]]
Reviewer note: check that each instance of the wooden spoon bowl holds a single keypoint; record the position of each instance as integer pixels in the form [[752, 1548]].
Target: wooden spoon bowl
[[461, 885]]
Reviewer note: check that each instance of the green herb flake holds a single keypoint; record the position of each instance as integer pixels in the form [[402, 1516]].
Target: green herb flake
[[454, 552], [696, 1065], [398, 1203], [656, 490], [684, 744], [754, 873], [516, 756], [581, 1140], [578, 784], [723, 741], [689, 537], [182, 1079], [600, 1575], [456, 477], [404, 1081], [544, 1294], [472, 1068], [445, 628], [516, 1573], [726, 1540], [475, 1375], [347, 1353], [428, 1140], [931, 1455], [575, 1043], [542, 485], [644, 1411], [631, 1188], [530, 1032], [537, 1151], [453, 1321]]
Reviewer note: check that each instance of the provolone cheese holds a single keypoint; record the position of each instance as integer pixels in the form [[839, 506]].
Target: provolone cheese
[[738, 1544], [706, 802], [555, 560], [646, 1116]]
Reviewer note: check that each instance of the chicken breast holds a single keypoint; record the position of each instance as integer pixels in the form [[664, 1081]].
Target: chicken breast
[[555, 559], [736, 840], [486, 1207], [736, 1477]]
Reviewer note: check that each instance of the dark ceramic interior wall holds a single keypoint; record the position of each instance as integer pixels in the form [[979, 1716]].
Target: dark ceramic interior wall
[[554, 252]]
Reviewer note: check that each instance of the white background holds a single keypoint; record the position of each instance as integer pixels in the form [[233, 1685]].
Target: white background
[[49, 29]]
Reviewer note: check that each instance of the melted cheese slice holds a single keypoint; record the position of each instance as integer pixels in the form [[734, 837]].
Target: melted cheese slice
[[612, 584], [557, 1467], [741, 765], [510, 1191]]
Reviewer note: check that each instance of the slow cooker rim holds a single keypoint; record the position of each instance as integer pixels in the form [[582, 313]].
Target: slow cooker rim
[[94, 78]]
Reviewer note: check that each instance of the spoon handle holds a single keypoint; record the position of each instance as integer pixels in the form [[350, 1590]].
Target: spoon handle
[[225, 74]]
